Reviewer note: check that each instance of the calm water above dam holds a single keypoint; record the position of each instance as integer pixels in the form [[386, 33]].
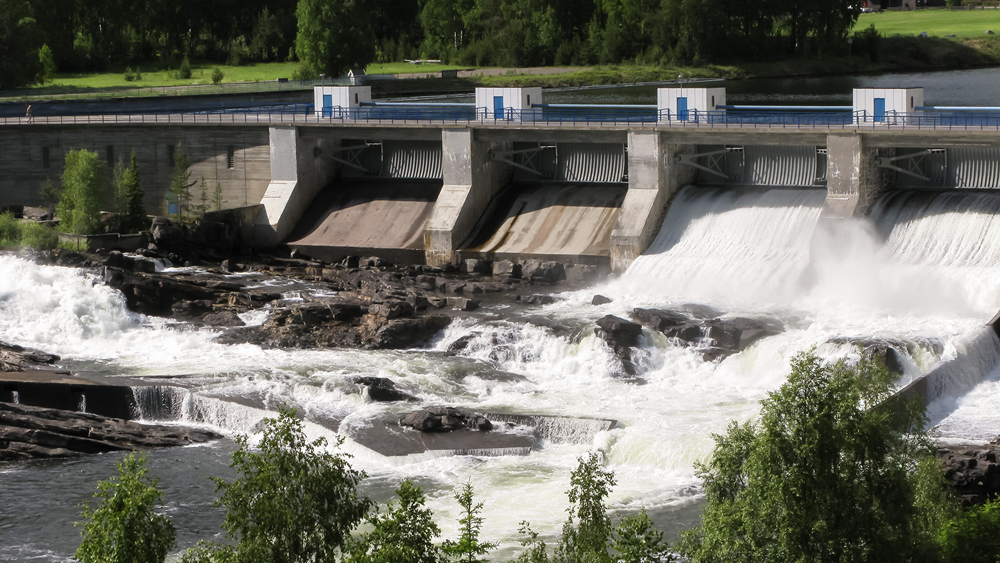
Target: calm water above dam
[[923, 272]]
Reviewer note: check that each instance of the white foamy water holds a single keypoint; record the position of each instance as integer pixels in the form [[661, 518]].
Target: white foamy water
[[915, 277]]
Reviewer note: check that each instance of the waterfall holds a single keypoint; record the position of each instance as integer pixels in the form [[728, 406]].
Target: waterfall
[[728, 244]]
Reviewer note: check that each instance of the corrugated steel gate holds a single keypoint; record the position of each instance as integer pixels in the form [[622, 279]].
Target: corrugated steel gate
[[760, 165], [392, 159], [571, 162], [959, 168]]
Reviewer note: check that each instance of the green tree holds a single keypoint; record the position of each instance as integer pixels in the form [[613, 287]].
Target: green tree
[[586, 533], [20, 40], [404, 534], [134, 210], [202, 207], [180, 184], [125, 528], [972, 536], [293, 501], [217, 200], [826, 475], [468, 547], [48, 193], [333, 36], [637, 541], [46, 65], [79, 207], [534, 548]]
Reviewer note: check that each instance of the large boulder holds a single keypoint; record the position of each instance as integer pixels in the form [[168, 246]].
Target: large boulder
[[382, 390], [444, 419], [406, 333], [621, 335]]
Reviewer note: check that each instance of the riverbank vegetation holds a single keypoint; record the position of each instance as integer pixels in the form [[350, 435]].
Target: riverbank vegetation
[[90, 44], [837, 468]]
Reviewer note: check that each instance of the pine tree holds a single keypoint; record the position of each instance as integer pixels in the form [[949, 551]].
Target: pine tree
[[468, 547], [180, 186]]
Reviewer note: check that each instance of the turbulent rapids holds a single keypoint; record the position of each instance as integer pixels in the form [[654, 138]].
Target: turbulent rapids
[[923, 274]]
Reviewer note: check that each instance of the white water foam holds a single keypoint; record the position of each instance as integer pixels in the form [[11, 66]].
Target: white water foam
[[747, 252]]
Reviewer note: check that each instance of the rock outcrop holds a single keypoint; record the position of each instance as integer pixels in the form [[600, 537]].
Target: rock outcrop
[[19, 358], [972, 471], [713, 338], [622, 335], [32, 432]]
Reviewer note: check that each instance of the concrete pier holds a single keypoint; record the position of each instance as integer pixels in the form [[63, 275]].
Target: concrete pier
[[471, 181], [297, 174]]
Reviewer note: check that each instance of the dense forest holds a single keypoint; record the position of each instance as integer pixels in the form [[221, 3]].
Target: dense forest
[[38, 37]]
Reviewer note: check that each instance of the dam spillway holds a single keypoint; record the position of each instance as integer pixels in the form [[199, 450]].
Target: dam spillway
[[911, 267]]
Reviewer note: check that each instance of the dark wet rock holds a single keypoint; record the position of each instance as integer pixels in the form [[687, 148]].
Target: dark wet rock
[[506, 269], [600, 300], [657, 319], [374, 262], [351, 261], [539, 271], [18, 358], [453, 286], [391, 309], [444, 419], [621, 335], [618, 331], [418, 302], [536, 299], [972, 471], [383, 390], [27, 432], [713, 338], [222, 318], [460, 344], [474, 266], [191, 309], [406, 333], [890, 352]]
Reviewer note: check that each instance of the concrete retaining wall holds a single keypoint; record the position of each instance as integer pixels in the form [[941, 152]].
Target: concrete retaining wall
[[32, 155]]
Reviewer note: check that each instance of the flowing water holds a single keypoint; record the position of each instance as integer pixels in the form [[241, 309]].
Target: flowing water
[[923, 273]]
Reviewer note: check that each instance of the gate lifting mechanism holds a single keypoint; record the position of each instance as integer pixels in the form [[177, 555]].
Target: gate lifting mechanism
[[530, 159], [352, 156], [716, 161], [914, 164]]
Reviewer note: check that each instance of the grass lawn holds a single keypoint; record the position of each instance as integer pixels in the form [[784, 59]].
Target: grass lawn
[[938, 23], [202, 74]]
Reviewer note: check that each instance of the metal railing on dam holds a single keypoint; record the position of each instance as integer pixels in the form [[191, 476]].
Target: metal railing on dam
[[304, 114]]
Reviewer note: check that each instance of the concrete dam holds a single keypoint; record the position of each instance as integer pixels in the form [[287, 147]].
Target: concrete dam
[[511, 177]]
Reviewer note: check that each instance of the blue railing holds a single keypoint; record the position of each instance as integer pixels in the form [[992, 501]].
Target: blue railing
[[391, 113], [561, 116]]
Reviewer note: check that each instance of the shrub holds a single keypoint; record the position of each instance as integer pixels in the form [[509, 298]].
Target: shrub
[[38, 236], [971, 536], [125, 528], [79, 207], [47, 64], [404, 534], [129, 74], [10, 230], [184, 72], [293, 501], [217, 75]]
